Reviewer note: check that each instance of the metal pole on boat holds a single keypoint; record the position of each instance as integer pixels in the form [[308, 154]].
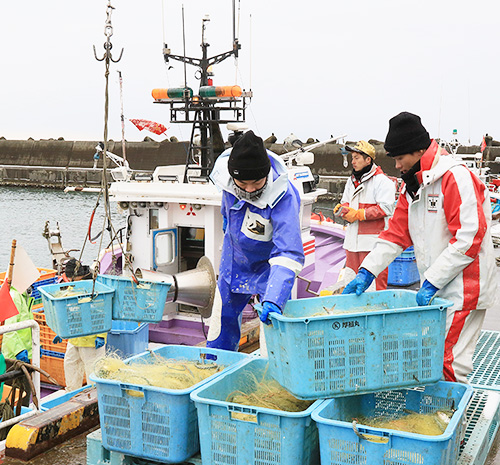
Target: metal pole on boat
[[124, 155]]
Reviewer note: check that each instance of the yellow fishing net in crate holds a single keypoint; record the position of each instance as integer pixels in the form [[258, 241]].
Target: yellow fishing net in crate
[[158, 371]]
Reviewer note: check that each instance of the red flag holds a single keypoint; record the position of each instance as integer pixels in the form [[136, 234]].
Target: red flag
[[483, 145], [155, 128], [8, 308]]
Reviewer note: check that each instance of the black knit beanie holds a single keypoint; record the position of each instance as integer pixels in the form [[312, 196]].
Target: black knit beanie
[[406, 135], [248, 160]]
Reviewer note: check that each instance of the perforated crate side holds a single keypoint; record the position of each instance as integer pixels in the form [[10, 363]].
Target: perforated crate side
[[343, 355], [268, 437], [339, 444], [144, 302], [150, 422], [78, 315]]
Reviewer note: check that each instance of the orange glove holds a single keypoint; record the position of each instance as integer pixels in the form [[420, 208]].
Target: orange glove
[[337, 208], [353, 215]]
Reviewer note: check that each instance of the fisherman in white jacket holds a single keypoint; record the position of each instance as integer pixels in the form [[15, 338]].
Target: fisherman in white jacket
[[444, 211], [367, 204]]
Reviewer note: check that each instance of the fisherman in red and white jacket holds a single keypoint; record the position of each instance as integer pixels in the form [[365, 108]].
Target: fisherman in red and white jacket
[[444, 211], [367, 203]]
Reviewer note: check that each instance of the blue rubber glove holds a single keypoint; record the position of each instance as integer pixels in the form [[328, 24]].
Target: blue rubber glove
[[267, 308], [224, 223], [360, 283], [99, 342], [426, 293], [23, 356], [57, 340]]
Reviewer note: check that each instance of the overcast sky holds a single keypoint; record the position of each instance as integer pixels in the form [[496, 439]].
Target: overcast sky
[[316, 67]]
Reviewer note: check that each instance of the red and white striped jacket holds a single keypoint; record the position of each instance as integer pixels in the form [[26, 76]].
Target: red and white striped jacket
[[448, 224], [375, 192]]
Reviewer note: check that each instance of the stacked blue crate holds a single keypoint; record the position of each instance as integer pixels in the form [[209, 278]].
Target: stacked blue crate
[[155, 423], [243, 434], [127, 338], [403, 270], [343, 442], [35, 293]]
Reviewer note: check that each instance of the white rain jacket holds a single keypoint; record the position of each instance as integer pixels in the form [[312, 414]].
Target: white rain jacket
[[448, 224], [376, 193]]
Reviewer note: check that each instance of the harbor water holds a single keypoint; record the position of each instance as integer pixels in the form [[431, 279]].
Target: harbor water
[[24, 212]]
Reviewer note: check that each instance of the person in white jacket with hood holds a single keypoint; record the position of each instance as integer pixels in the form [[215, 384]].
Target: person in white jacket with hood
[[444, 211], [367, 204]]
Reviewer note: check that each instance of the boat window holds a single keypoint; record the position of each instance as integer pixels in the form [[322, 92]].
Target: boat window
[[164, 248], [154, 222]]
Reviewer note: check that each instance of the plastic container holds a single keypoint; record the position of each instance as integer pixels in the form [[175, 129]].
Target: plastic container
[[152, 422], [35, 293], [79, 315], [45, 273], [127, 338], [403, 270], [340, 445], [273, 437], [376, 341], [53, 365], [144, 302]]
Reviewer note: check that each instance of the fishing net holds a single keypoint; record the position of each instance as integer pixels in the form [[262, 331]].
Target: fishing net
[[429, 424], [70, 291], [267, 393], [156, 371]]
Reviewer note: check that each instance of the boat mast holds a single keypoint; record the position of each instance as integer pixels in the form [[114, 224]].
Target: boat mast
[[203, 112]]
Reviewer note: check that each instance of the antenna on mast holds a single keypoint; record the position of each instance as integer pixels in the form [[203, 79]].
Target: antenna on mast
[[184, 45]]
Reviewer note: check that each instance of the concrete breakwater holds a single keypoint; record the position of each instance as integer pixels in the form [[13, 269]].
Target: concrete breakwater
[[60, 163]]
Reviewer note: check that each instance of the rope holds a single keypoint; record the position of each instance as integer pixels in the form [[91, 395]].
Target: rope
[[6, 413], [107, 221]]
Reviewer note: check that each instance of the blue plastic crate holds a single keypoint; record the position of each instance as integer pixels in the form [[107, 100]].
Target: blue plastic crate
[[35, 293], [80, 315], [143, 302], [403, 270], [340, 445], [268, 437], [375, 341], [152, 422], [128, 338], [51, 353]]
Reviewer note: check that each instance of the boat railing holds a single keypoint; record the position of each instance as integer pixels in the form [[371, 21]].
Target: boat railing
[[35, 361]]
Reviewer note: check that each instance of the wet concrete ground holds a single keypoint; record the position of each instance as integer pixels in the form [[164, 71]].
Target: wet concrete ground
[[72, 452]]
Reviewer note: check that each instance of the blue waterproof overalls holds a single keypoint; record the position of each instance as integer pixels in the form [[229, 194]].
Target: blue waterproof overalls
[[262, 251]]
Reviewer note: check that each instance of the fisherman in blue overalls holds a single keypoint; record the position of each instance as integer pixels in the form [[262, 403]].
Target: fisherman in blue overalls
[[262, 251]]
